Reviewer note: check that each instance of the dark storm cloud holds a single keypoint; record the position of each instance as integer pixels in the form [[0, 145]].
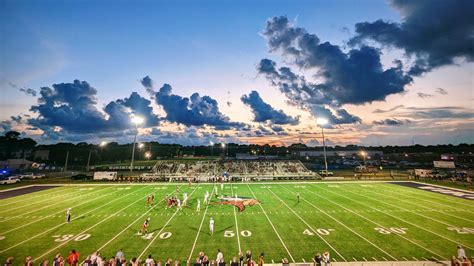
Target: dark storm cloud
[[5, 126], [304, 94], [119, 116], [263, 112], [337, 117], [72, 107], [148, 83], [391, 122], [355, 77], [441, 91], [434, 32], [17, 118], [27, 91], [278, 128], [424, 95], [193, 111]]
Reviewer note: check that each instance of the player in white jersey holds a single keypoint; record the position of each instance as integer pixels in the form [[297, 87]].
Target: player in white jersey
[[211, 226], [215, 191], [206, 196], [185, 199], [68, 215], [178, 204], [198, 208]]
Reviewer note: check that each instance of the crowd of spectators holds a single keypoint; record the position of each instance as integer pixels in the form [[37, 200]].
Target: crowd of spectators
[[461, 259], [97, 259], [230, 167], [203, 259]]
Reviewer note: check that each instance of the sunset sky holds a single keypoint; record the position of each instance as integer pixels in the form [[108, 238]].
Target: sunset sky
[[382, 72]]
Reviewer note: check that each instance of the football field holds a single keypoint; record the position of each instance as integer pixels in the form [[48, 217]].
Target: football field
[[371, 221]]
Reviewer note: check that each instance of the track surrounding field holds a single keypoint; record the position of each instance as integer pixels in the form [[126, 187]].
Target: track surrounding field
[[353, 221]]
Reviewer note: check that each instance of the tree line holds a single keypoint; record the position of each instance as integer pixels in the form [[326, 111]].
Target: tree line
[[12, 145]]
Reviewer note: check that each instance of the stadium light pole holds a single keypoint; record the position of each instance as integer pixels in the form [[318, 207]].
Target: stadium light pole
[[212, 148], [102, 145], [321, 122], [136, 120], [223, 149], [364, 154], [147, 155], [140, 147]]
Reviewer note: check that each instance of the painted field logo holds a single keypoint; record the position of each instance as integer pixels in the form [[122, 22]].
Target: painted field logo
[[239, 202]]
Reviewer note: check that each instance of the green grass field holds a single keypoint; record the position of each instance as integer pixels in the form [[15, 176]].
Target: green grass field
[[353, 221]]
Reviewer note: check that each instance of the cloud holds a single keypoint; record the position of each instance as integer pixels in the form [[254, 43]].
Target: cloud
[[447, 112], [278, 128], [120, 111], [355, 77], [441, 112], [304, 94], [27, 91], [263, 112], [381, 111], [71, 107], [434, 32], [424, 95], [17, 118], [193, 111], [5, 126], [149, 84], [441, 91], [391, 122]]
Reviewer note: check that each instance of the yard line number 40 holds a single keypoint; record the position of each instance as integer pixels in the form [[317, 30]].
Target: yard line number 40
[[320, 231]]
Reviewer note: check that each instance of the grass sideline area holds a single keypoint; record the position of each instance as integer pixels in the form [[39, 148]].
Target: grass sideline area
[[354, 221]]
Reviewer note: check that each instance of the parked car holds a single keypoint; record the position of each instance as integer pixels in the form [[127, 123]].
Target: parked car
[[81, 177], [324, 173], [38, 176], [26, 175], [9, 180]]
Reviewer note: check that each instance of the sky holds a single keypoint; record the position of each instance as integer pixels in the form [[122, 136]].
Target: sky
[[393, 72]]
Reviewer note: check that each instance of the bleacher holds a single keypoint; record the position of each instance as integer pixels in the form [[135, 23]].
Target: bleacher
[[257, 170]]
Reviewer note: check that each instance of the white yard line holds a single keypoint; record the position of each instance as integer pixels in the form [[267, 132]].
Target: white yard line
[[379, 225], [237, 183], [93, 226], [162, 228], [403, 220], [59, 212], [274, 229], [308, 225], [235, 217], [47, 206], [35, 196], [32, 203], [200, 226], [427, 195], [61, 224], [440, 186], [420, 205], [345, 226], [132, 223]]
